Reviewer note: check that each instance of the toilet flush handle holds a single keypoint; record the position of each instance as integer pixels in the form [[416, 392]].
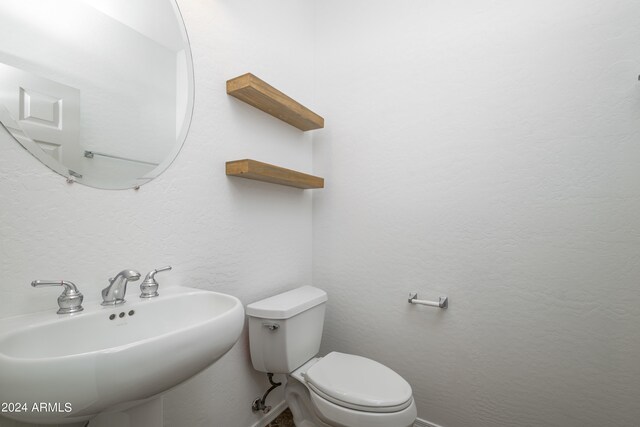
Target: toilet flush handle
[[271, 326]]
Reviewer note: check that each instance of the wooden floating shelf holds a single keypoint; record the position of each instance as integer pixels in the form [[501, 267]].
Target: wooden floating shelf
[[257, 93], [259, 171]]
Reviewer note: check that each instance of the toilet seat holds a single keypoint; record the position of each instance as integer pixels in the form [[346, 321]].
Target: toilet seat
[[358, 383]]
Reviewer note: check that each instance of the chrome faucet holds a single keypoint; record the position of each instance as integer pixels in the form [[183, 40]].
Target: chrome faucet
[[115, 292]]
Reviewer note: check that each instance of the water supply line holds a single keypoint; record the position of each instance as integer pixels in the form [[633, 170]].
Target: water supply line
[[260, 403]]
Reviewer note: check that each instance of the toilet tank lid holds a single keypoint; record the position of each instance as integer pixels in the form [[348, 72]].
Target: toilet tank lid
[[287, 304]]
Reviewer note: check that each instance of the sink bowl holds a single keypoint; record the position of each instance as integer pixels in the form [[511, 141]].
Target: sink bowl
[[68, 368]]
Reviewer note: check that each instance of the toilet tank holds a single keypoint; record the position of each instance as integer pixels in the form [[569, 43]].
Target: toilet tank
[[285, 330]]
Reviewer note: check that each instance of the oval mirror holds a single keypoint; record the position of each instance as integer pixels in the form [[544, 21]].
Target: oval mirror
[[100, 91]]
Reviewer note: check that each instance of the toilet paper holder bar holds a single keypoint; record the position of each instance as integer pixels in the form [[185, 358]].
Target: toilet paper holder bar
[[443, 302]]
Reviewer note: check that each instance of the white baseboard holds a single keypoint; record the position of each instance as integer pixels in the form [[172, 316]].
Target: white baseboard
[[272, 415], [423, 423], [277, 410]]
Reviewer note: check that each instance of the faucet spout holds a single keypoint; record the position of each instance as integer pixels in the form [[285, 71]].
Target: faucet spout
[[117, 289]]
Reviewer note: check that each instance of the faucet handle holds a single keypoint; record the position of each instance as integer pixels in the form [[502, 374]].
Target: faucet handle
[[149, 286], [70, 300]]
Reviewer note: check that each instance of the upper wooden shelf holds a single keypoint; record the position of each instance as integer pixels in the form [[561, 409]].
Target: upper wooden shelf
[[257, 93], [253, 169]]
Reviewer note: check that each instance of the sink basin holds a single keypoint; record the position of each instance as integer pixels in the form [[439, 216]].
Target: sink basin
[[111, 358]]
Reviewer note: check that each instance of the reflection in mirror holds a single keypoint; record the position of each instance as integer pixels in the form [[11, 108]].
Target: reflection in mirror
[[100, 91]]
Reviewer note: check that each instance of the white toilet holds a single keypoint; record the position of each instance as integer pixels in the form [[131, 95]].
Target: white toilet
[[337, 390]]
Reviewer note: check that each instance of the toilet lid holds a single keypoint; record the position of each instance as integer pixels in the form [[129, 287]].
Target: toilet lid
[[359, 383]]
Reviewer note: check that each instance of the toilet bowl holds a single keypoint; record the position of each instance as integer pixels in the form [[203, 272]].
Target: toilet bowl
[[337, 390], [348, 390]]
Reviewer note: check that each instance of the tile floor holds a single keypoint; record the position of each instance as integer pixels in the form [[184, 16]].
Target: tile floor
[[285, 419]]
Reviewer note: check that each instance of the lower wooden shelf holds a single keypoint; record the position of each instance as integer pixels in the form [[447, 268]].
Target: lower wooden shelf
[[253, 169]]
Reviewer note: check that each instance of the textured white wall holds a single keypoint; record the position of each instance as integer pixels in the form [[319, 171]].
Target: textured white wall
[[487, 150], [245, 238]]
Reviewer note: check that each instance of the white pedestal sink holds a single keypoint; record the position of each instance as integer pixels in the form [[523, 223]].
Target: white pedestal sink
[[68, 368]]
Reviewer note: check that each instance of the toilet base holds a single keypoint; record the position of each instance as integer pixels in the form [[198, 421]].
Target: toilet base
[[297, 397]]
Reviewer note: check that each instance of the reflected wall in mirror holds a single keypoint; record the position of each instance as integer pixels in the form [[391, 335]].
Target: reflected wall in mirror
[[100, 91]]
